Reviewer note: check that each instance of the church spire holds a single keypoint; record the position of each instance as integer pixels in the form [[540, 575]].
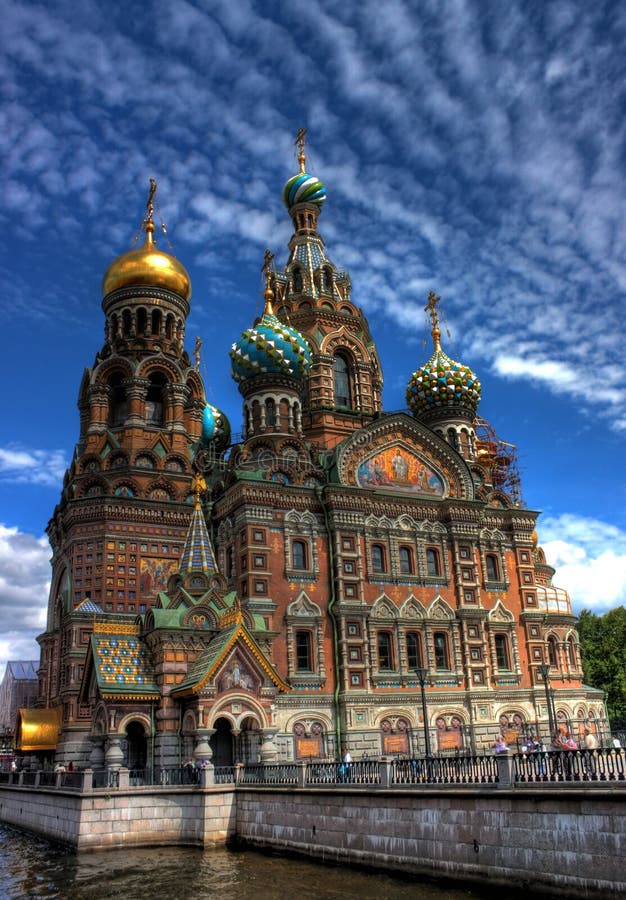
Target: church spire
[[198, 554]]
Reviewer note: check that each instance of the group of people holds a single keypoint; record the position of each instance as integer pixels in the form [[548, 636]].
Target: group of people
[[562, 740], [193, 771]]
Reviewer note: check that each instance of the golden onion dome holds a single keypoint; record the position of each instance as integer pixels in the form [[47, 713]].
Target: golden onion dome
[[147, 266]]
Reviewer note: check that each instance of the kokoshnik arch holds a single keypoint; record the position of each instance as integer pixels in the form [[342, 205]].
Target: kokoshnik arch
[[298, 589]]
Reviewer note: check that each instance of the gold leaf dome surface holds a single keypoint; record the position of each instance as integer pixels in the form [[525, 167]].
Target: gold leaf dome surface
[[147, 265]]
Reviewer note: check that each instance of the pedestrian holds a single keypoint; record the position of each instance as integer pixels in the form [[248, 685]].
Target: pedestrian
[[346, 765], [190, 775]]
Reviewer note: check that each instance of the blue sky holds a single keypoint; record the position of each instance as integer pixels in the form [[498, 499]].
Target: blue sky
[[474, 148]]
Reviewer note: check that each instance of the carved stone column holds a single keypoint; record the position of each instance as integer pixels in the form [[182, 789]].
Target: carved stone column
[[114, 756], [96, 757], [176, 396], [268, 749]]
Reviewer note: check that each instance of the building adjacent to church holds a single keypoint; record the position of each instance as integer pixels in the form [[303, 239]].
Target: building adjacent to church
[[329, 579]]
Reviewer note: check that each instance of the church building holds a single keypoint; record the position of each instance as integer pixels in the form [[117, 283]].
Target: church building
[[338, 576]]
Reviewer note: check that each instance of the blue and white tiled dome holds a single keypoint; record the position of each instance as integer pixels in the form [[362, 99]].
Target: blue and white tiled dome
[[215, 426], [270, 347]]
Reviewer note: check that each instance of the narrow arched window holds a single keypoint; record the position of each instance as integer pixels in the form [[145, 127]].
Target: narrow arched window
[[552, 654], [413, 651], [341, 378], [433, 565], [378, 558], [117, 401], [154, 399], [270, 412], [298, 555], [571, 649], [406, 561], [442, 655], [297, 280], [304, 651], [156, 322], [493, 570], [503, 659], [453, 438], [385, 650]]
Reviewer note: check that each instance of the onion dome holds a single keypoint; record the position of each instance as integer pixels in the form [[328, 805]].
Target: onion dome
[[215, 426], [442, 384], [147, 265], [270, 347], [303, 188]]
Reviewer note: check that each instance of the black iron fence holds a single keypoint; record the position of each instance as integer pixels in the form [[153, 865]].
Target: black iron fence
[[587, 768]]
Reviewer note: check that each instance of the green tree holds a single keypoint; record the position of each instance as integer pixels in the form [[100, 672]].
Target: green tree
[[603, 647]]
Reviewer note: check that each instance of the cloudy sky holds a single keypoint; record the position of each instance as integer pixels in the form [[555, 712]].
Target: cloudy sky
[[471, 147]]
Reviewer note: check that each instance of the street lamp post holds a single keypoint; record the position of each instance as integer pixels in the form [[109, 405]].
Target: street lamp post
[[422, 677], [544, 669]]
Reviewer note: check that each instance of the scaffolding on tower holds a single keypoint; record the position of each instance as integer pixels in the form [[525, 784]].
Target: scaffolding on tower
[[498, 459]]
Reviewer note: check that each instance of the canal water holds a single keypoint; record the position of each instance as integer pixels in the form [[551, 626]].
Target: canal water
[[31, 867]]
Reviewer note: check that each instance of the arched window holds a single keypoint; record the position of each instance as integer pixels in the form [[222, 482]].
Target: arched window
[[406, 561], [493, 570], [154, 399], [126, 322], [503, 659], [341, 376], [117, 401], [385, 650], [378, 558], [433, 564], [297, 280], [413, 651], [156, 322], [142, 321], [442, 655], [298, 554], [571, 650], [304, 651], [453, 438], [552, 654], [270, 412]]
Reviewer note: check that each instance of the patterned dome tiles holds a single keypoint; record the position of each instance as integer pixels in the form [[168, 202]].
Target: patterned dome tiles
[[440, 383], [270, 348]]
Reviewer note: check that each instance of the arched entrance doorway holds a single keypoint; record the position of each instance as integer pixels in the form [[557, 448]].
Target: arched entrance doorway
[[222, 743], [136, 746]]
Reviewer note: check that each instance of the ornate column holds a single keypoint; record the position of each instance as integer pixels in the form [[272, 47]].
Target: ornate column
[[113, 756], [176, 396], [96, 757], [204, 755], [268, 749], [98, 396], [136, 392]]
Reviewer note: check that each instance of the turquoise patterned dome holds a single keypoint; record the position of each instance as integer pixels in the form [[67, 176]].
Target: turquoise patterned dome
[[303, 188], [441, 384], [215, 426], [270, 348]]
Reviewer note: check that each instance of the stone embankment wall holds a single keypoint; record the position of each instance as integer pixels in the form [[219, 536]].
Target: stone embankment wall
[[135, 818], [564, 839], [557, 840]]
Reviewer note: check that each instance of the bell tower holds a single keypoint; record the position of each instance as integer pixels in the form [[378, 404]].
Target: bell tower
[[344, 385]]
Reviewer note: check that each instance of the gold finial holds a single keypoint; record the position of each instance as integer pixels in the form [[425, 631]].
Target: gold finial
[[198, 486], [433, 300], [148, 219], [299, 142], [196, 352], [269, 293]]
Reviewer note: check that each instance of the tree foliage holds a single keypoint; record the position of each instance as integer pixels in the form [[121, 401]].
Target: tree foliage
[[603, 647]]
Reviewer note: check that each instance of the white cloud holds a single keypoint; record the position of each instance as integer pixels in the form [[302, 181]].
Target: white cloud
[[589, 557], [24, 587], [45, 467]]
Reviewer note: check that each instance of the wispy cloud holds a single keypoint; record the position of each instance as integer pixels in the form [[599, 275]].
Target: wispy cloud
[[44, 467]]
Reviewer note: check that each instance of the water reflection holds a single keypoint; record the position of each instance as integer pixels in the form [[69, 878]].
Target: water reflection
[[30, 867]]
